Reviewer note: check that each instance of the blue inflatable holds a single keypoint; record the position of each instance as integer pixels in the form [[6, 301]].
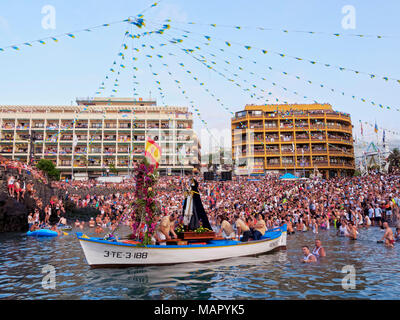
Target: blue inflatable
[[42, 233]]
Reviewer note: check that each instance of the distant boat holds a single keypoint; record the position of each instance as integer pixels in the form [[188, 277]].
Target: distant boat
[[105, 253]]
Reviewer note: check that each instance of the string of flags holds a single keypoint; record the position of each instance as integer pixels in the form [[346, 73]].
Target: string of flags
[[57, 38], [250, 90], [376, 128], [284, 30], [241, 69], [265, 51], [219, 100], [138, 21]]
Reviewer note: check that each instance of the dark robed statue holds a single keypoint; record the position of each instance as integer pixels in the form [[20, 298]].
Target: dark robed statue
[[193, 210]]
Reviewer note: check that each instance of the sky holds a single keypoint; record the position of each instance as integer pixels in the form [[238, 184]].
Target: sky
[[57, 73]]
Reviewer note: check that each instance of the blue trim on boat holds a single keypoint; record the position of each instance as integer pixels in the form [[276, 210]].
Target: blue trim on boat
[[269, 235]]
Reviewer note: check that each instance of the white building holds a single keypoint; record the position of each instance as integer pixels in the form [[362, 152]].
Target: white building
[[110, 133]]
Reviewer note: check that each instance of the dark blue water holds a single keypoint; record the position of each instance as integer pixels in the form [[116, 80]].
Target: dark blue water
[[279, 275]]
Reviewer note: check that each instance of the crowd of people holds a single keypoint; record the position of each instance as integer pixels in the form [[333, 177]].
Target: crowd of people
[[237, 209], [246, 209]]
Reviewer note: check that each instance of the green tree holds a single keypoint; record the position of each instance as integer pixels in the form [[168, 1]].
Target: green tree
[[49, 167], [394, 159], [113, 169]]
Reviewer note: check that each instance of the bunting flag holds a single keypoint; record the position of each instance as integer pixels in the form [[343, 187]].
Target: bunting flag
[[284, 55], [284, 30], [364, 100], [153, 152], [138, 21]]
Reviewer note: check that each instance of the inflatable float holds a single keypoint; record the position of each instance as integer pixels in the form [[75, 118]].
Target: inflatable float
[[42, 233]]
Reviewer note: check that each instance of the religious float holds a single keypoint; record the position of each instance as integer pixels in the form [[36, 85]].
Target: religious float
[[196, 242]]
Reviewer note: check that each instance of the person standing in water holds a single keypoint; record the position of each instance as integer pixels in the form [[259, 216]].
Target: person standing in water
[[318, 250], [308, 256], [388, 235]]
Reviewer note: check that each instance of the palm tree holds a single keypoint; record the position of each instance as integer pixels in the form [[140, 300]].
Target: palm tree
[[394, 159]]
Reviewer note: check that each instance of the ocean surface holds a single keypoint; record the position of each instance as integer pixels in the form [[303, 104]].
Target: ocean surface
[[279, 275]]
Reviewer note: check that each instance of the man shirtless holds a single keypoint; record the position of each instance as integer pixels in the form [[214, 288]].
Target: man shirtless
[[351, 231], [167, 227], [388, 236], [226, 227]]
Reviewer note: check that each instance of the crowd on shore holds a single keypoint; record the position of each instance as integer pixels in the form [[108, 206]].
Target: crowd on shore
[[249, 208], [21, 188], [234, 208]]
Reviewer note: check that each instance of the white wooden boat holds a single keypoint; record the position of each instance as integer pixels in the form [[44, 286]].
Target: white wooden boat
[[105, 253]]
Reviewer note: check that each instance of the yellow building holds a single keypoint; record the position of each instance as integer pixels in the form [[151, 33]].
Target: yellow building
[[302, 139]]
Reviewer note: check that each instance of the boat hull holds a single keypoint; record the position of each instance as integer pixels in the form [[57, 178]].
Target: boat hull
[[101, 253]]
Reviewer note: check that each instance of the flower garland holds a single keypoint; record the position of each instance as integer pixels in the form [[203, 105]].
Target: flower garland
[[145, 208]]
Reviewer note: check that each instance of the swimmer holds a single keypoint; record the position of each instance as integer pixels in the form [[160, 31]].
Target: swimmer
[[308, 256], [397, 234], [54, 228], [388, 236], [91, 223], [99, 229], [63, 221], [351, 231], [77, 223], [318, 250]]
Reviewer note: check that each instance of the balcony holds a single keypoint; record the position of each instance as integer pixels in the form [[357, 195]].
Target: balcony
[[273, 165], [342, 165], [319, 151], [287, 152], [340, 152], [320, 163], [336, 139]]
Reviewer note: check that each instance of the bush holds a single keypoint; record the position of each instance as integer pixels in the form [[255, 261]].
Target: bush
[[48, 167]]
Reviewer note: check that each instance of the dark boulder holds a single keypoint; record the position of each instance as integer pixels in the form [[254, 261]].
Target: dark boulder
[[13, 215]]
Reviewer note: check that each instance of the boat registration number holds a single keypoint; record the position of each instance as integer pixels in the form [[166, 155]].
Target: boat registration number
[[125, 255]]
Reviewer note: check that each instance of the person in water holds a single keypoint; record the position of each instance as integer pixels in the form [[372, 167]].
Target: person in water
[[34, 226], [388, 235], [351, 231], [318, 250], [92, 223], [308, 256], [397, 234]]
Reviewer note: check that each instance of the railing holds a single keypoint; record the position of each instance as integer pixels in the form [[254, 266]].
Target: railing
[[342, 165], [273, 165], [320, 163], [319, 151], [338, 152], [302, 139]]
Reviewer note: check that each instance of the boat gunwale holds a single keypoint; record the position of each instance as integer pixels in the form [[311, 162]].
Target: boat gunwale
[[199, 246]]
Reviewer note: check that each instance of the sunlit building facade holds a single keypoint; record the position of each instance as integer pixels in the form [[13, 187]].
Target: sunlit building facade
[[110, 135], [301, 139]]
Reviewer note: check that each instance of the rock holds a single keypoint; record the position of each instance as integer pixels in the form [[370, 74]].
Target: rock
[[13, 215]]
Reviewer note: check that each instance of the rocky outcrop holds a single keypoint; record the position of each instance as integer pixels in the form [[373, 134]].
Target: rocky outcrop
[[13, 215]]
